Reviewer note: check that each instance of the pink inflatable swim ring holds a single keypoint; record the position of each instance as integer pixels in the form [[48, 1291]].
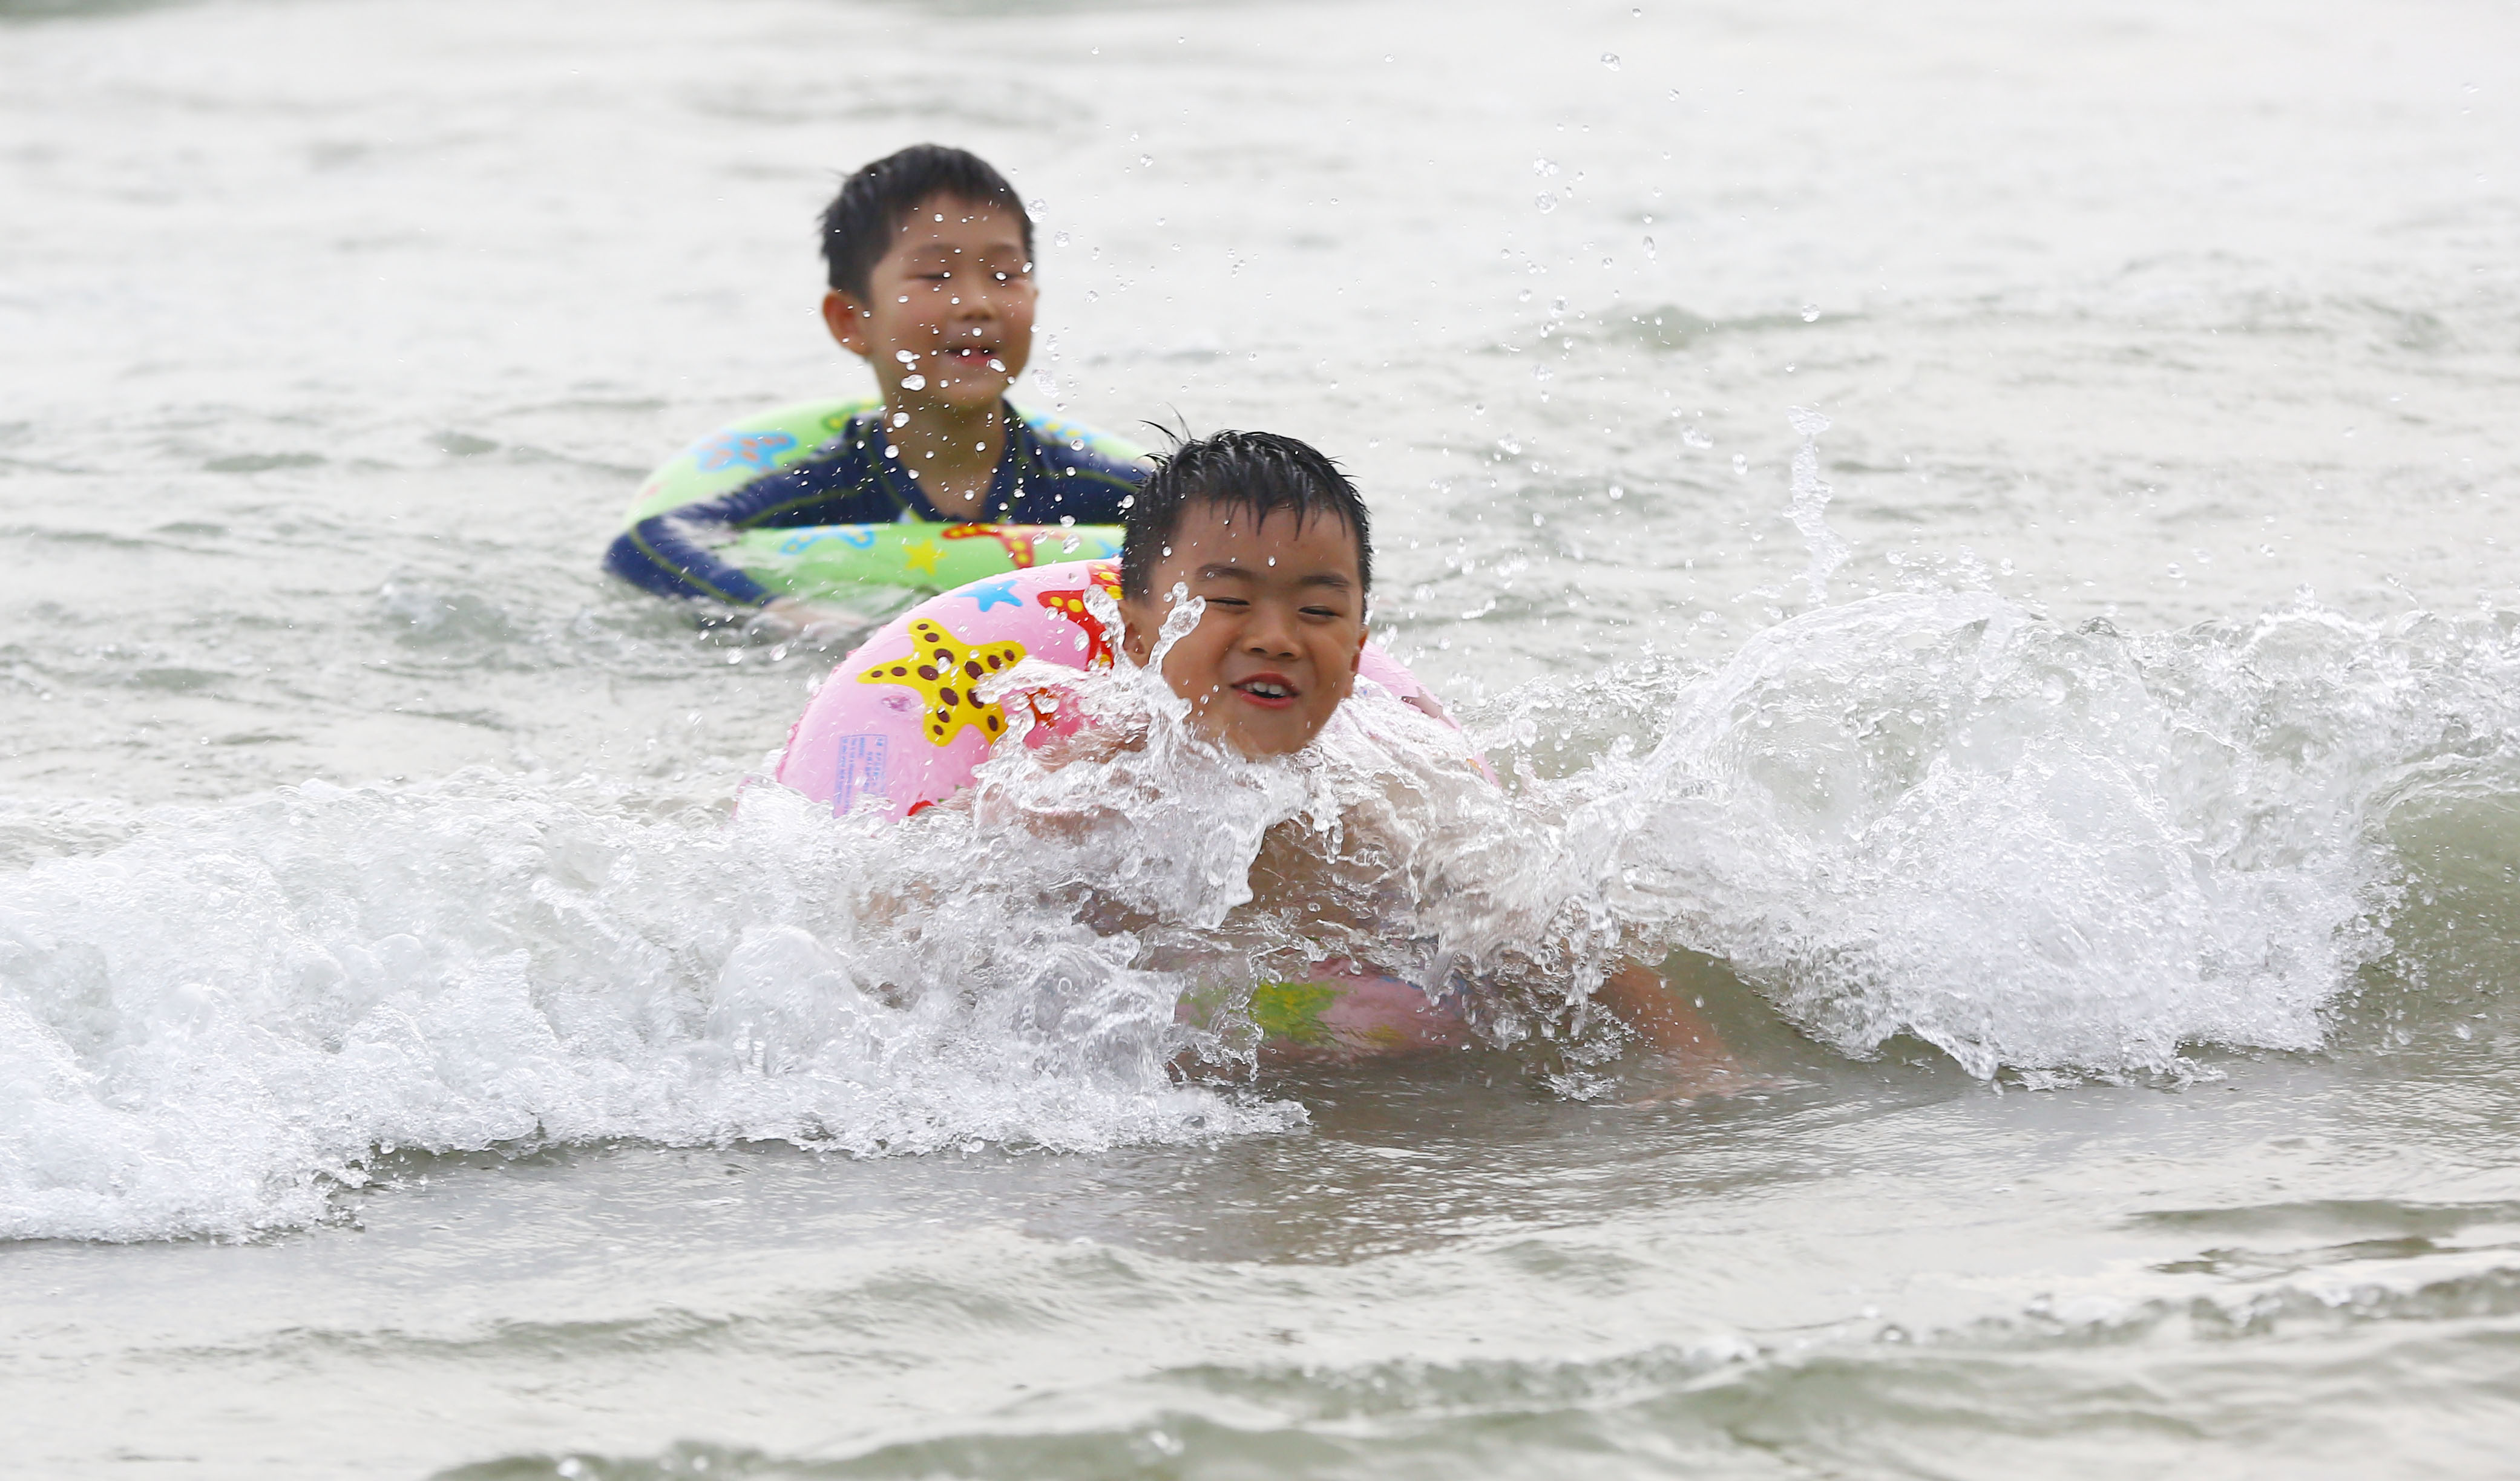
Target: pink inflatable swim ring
[[897, 727]]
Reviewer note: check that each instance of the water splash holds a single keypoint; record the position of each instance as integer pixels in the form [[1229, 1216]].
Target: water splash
[[2051, 852], [332, 973], [1809, 511]]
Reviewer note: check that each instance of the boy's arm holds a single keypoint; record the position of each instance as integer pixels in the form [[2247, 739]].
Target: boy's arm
[[669, 554], [674, 553], [1699, 1061]]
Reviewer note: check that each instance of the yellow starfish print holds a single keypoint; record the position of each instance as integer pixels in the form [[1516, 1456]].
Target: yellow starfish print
[[942, 667], [923, 555]]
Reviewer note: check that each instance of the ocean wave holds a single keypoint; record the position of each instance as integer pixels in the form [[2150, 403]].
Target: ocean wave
[[2051, 852]]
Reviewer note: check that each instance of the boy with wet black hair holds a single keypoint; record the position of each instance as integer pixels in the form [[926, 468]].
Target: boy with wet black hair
[[928, 258], [1258, 473], [1275, 543], [1274, 540]]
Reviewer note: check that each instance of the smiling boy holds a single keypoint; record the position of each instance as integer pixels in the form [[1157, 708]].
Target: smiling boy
[[1273, 539], [1273, 542], [930, 263]]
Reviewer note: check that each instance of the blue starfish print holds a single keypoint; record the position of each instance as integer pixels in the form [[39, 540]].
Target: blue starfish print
[[990, 593]]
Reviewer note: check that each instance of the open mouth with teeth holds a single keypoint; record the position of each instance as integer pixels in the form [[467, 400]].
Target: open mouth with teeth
[[974, 357], [1269, 690]]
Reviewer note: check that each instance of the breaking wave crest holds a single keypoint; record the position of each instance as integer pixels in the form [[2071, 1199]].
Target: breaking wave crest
[[2051, 852]]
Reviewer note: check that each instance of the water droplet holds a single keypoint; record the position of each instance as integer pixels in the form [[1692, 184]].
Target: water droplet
[[1540, 372], [901, 418], [1617, 492], [1740, 463], [1546, 201], [913, 382], [1811, 313], [1543, 168], [1693, 438], [1649, 246], [1610, 60], [905, 357], [2174, 571], [1059, 241], [1145, 160]]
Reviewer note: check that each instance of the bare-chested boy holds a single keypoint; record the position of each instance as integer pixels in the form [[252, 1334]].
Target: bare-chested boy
[[1275, 543]]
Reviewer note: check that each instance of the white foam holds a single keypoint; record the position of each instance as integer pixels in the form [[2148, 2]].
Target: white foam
[[2059, 851], [206, 1027], [2033, 847]]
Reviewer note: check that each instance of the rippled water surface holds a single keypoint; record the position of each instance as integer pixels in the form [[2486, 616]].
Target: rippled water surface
[[1976, 536]]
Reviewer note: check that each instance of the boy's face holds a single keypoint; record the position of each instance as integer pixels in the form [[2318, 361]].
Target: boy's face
[[948, 318], [1276, 650]]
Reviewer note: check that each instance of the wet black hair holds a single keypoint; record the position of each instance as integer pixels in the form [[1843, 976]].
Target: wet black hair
[[1262, 473], [859, 224]]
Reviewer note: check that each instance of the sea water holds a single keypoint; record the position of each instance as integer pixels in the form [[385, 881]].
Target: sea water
[[1974, 536]]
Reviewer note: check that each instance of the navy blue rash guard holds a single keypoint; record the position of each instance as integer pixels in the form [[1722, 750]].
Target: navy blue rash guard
[[855, 479]]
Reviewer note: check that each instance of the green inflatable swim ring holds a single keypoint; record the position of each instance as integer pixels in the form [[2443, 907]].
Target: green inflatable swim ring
[[832, 559]]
